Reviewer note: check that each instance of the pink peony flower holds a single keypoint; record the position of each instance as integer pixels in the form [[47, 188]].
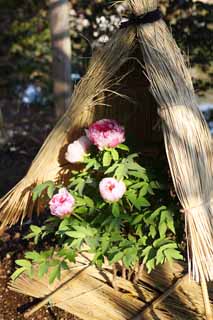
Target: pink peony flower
[[62, 203], [111, 189], [106, 133], [77, 150]]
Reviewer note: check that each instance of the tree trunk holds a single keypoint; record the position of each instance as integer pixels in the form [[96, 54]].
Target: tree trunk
[[61, 47], [3, 132]]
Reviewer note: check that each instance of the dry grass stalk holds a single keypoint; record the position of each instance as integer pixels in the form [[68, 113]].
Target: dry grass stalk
[[87, 105], [98, 299], [101, 302], [161, 298], [207, 304], [55, 292], [187, 139]]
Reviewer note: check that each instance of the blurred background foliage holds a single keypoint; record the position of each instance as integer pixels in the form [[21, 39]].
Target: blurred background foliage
[[26, 46]]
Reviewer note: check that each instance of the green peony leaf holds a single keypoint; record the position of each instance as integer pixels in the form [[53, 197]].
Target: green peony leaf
[[115, 209], [155, 185], [121, 171], [89, 202], [137, 219], [162, 229], [43, 268], [158, 243], [64, 225], [122, 147], [144, 190], [67, 253], [105, 241], [142, 202], [35, 229], [75, 234], [112, 168], [173, 254], [137, 185], [117, 257], [107, 159], [37, 191], [50, 190], [131, 196], [150, 265], [130, 257], [17, 273], [24, 263], [115, 154], [33, 255], [170, 221], [55, 273], [152, 231], [160, 257], [64, 265]]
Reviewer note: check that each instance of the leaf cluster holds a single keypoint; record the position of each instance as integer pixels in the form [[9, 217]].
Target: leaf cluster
[[138, 229]]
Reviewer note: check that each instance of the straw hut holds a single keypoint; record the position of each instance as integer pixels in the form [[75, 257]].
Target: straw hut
[[138, 78]]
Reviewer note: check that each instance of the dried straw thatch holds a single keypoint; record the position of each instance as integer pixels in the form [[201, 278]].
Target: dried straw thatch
[[187, 140], [87, 104], [87, 293], [186, 135]]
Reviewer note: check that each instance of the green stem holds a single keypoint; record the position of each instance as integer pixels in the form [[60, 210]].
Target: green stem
[[77, 216]]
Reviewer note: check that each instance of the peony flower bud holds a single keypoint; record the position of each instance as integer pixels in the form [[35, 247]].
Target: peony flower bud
[[77, 150], [111, 189], [62, 203], [106, 133]]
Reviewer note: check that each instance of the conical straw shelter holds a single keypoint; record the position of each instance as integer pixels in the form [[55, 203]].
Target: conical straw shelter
[[143, 47]]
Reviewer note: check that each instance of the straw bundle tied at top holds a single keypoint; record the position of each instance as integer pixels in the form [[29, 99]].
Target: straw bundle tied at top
[[187, 138]]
